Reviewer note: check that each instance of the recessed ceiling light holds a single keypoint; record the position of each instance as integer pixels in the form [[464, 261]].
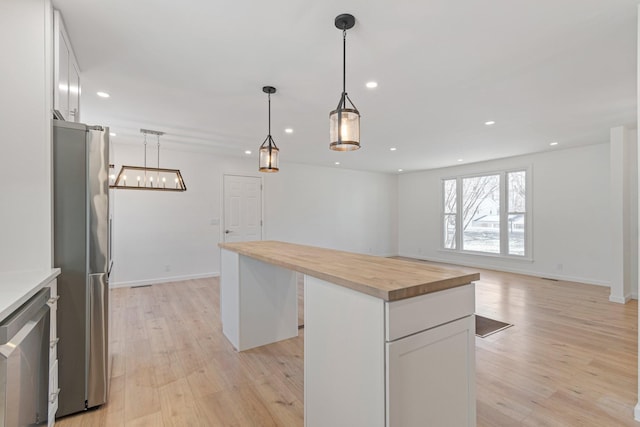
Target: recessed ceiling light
[[372, 85], [247, 152], [460, 160], [112, 134], [490, 123], [392, 149], [103, 94], [553, 143], [400, 170], [288, 130], [337, 163]]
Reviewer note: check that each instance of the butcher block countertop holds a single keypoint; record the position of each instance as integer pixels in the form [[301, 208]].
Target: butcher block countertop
[[385, 278]]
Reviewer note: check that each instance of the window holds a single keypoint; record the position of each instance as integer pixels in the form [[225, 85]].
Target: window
[[486, 213], [516, 211], [450, 213]]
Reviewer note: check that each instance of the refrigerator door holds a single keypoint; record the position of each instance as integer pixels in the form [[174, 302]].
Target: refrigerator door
[[70, 254], [98, 380], [98, 304], [98, 199]]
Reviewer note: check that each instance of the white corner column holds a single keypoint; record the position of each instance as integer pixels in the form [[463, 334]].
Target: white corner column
[[622, 239], [636, 411]]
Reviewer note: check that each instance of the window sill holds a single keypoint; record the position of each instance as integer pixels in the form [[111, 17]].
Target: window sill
[[472, 254]]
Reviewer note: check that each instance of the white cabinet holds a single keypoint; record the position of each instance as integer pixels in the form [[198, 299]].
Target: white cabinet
[[374, 363], [430, 359], [54, 390], [430, 377], [66, 74]]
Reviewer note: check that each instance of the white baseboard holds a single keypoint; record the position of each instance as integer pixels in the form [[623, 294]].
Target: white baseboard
[[620, 299], [636, 412], [386, 255], [162, 280], [511, 270]]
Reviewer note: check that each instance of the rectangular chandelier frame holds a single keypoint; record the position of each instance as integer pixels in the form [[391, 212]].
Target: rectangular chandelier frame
[[148, 178]]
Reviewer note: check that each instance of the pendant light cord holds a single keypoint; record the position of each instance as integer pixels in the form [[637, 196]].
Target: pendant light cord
[[344, 61], [269, 95], [145, 161]]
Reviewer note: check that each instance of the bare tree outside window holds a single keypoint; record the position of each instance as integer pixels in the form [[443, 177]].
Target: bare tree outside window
[[481, 213], [450, 212]]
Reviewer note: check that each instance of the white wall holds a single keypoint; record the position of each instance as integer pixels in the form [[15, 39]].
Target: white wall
[[159, 236], [25, 149], [334, 208], [312, 205], [570, 219]]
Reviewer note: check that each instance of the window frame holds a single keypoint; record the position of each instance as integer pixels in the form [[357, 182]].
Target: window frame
[[504, 214]]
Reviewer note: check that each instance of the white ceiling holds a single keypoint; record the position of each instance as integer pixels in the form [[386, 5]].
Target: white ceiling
[[546, 70]]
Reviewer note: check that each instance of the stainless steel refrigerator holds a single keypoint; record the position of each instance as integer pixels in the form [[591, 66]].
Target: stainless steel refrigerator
[[81, 243]]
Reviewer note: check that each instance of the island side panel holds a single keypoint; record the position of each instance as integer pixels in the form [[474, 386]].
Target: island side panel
[[230, 295], [268, 303], [344, 356]]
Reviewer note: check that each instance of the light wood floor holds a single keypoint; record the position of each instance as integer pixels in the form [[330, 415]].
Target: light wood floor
[[570, 360]]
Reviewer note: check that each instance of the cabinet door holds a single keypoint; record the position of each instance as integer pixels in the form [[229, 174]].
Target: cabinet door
[[53, 353], [62, 90], [74, 91], [66, 75], [431, 377]]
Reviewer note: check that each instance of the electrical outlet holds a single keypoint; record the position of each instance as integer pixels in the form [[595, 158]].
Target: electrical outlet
[[167, 268]]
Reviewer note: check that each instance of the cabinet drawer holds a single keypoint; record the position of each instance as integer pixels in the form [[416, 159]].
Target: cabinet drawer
[[412, 315]]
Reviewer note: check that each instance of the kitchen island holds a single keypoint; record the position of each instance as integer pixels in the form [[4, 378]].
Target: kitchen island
[[387, 342]]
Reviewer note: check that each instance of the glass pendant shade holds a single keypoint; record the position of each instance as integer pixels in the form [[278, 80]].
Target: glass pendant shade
[[344, 129], [269, 156]]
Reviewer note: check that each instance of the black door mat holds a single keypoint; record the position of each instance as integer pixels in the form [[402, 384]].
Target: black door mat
[[486, 326]]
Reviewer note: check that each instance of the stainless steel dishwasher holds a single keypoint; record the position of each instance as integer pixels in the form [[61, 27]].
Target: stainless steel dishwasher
[[24, 363]]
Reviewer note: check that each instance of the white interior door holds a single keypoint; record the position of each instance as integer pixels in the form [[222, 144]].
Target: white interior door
[[242, 208]]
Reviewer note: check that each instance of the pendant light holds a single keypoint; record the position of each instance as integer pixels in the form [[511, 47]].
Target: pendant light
[[146, 177], [268, 150], [344, 122]]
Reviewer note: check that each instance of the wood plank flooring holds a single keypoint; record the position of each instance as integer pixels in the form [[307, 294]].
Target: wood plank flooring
[[569, 360]]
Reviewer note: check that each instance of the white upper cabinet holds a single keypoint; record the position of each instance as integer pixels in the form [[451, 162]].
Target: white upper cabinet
[[66, 73]]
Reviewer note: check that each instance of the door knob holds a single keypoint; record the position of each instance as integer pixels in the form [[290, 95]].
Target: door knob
[[227, 231]]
